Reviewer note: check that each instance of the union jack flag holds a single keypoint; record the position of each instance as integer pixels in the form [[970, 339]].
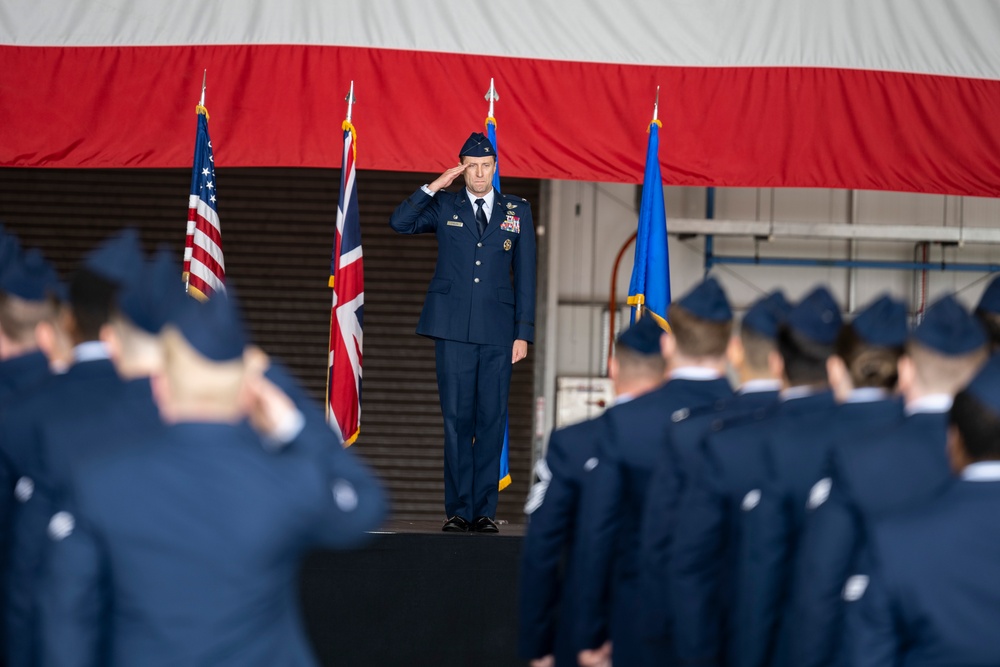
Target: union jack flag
[[204, 268], [347, 278]]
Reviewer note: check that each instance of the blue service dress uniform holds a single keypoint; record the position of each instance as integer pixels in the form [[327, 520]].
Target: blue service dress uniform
[[475, 312], [863, 488], [548, 593], [932, 596], [668, 485], [86, 386], [198, 566], [21, 374], [797, 456], [18, 376], [709, 543], [610, 533]]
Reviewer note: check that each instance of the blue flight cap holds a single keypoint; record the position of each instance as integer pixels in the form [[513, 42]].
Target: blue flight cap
[[10, 248], [151, 299], [882, 323], [985, 386], [477, 145], [118, 258], [949, 328], [767, 313], [817, 317], [707, 301], [643, 336], [989, 302], [214, 328], [30, 277]]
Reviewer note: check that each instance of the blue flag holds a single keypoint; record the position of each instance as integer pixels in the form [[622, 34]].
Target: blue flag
[[491, 132], [649, 288]]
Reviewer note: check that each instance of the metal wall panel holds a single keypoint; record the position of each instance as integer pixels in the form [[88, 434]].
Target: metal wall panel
[[277, 237]]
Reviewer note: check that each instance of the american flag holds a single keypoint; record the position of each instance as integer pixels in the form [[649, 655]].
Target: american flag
[[204, 268], [347, 278]]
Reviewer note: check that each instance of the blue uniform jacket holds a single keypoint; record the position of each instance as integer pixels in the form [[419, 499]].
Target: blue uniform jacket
[[681, 464], [471, 297], [862, 488], [709, 543], [797, 456], [21, 374], [86, 387], [188, 547], [548, 596], [18, 376], [934, 592], [610, 533]]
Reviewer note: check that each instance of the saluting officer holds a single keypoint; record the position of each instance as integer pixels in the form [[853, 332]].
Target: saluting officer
[[481, 320]]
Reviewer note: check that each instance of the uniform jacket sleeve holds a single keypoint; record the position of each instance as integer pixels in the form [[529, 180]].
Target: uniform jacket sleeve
[[697, 557], [351, 501], [524, 279], [872, 637], [826, 555], [73, 598], [762, 568], [546, 542], [416, 215], [657, 531], [600, 525]]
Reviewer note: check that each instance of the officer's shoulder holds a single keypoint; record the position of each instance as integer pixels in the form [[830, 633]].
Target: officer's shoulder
[[514, 199]]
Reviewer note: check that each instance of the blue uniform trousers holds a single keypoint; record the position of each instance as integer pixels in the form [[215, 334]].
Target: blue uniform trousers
[[473, 383]]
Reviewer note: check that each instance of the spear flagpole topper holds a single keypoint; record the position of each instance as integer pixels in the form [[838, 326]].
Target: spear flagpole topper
[[656, 105], [350, 99], [491, 96], [204, 78]]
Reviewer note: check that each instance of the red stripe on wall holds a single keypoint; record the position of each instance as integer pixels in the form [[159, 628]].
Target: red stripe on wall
[[282, 105]]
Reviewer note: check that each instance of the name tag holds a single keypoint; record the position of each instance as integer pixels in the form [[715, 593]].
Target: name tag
[[511, 224], [454, 223]]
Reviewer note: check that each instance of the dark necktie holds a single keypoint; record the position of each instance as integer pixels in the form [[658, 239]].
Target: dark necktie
[[481, 216]]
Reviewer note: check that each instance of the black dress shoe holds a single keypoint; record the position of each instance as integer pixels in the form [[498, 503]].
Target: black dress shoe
[[484, 524], [456, 524]]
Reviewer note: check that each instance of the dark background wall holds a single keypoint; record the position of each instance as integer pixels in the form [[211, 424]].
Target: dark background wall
[[277, 234]]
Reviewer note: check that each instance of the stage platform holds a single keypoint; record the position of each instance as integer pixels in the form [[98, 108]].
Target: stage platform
[[416, 597]]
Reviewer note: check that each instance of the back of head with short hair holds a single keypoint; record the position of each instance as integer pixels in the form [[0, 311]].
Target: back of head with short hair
[[633, 366], [18, 317], [197, 381], [91, 298], [138, 349], [697, 337], [756, 349], [804, 359], [944, 374], [978, 425], [868, 365]]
